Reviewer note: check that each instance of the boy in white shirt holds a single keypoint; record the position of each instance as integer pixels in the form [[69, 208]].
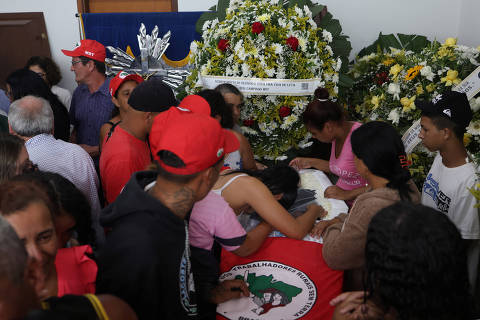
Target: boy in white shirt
[[443, 122]]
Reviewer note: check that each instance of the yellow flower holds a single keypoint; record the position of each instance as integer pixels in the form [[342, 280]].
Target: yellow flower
[[376, 101], [264, 17], [412, 72], [408, 103], [388, 61], [449, 42], [419, 90], [430, 87], [467, 138], [358, 109], [395, 70], [451, 78]]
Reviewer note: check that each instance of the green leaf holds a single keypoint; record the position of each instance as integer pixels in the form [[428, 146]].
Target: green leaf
[[389, 40], [334, 27], [222, 9], [345, 81], [316, 9], [204, 18], [413, 42], [326, 20], [341, 47]]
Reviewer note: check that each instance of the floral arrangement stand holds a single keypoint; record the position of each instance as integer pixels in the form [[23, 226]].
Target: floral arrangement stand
[[388, 81], [262, 39]]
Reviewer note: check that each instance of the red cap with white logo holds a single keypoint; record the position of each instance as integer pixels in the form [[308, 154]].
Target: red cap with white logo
[[88, 48]]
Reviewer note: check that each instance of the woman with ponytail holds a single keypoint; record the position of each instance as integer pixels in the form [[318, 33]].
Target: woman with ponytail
[[325, 120], [380, 158]]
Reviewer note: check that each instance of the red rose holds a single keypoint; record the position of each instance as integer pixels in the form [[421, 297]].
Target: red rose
[[284, 111], [292, 42], [223, 44], [381, 78], [257, 27], [248, 122]]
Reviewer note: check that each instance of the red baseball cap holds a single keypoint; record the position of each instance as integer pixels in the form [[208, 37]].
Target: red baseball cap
[[120, 78], [195, 104], [197, 139], [88, 48]]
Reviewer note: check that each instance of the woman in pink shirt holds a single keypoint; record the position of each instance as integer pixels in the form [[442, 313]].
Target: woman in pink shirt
[[325, 120]]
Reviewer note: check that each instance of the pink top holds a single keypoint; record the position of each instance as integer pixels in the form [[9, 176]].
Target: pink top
[[344, 165], [213, 219]]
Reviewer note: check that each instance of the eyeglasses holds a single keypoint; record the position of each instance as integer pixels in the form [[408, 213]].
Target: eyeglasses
[[75, 62], [41, 74]]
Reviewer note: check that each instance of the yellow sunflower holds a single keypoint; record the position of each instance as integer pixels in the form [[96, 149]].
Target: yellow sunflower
[[412, 72]]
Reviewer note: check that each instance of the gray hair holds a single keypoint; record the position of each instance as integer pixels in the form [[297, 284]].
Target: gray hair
[[225, 88], [30, 116], [13, 253]]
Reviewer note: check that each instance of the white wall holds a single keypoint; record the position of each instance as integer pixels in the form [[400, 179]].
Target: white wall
[[470, 24], [362, 20], [62, 28]]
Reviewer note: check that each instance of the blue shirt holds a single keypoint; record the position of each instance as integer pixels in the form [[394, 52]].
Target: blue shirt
[[88, 111]]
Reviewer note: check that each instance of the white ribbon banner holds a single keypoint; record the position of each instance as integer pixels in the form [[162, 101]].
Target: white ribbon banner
[[257, 86], [470, 86]]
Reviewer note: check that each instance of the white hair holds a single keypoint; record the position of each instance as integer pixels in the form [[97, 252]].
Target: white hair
[[30, 116]]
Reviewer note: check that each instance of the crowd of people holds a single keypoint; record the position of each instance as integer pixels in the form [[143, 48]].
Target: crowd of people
[[115, 200]]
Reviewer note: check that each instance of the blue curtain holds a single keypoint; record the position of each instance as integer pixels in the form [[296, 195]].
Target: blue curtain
[[121, 29]]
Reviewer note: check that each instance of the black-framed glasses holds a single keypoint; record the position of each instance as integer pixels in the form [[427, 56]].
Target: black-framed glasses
[[75, 62]]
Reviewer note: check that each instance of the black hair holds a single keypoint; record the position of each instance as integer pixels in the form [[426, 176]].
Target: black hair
[[442, 122], [278, 179], [321, 110], [52, 72], [66, 198], [100, 66], [380, 147], [218, 107], [24, 82], [10, 148], [228, 88], [416, 264]]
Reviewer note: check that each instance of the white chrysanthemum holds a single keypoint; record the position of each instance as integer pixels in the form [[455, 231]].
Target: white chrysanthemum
[[475, 104], [264, 17], [327, 36], [367, 57], [373, 116], [288, 121], [329, 50], [302, 43], [299, 11], [206, 25], [338, 65], [474, 128], [394, 116], [427, 73], [282, 23], [278, 48], [247, 130], [281, 73], [281, 158], [239, 50], [246, 71], [394, 90], [270, 72], [193, 47], [312, 23], [335, 78]]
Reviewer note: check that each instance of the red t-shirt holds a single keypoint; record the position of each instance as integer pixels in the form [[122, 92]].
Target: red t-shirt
[[122, 155]]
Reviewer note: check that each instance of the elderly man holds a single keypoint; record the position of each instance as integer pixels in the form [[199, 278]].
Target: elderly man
[[91, 104], [31, 118], [18, 300]]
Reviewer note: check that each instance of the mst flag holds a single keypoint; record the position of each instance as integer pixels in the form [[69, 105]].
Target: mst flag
[[287, 279]]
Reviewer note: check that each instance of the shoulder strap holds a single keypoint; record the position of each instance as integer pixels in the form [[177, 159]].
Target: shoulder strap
[[97, 305], [220, 190]]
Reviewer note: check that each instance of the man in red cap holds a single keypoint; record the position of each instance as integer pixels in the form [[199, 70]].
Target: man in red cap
[[91, 104], [146, 260], [125, 149]]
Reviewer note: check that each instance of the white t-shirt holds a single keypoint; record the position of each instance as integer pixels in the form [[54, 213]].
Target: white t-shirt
[[446, 189], [63, 95]]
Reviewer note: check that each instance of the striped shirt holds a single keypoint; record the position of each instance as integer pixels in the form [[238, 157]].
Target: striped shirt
[[89, 111]]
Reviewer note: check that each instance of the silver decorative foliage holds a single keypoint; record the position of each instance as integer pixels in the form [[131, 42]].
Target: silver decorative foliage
[[149, 63]]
